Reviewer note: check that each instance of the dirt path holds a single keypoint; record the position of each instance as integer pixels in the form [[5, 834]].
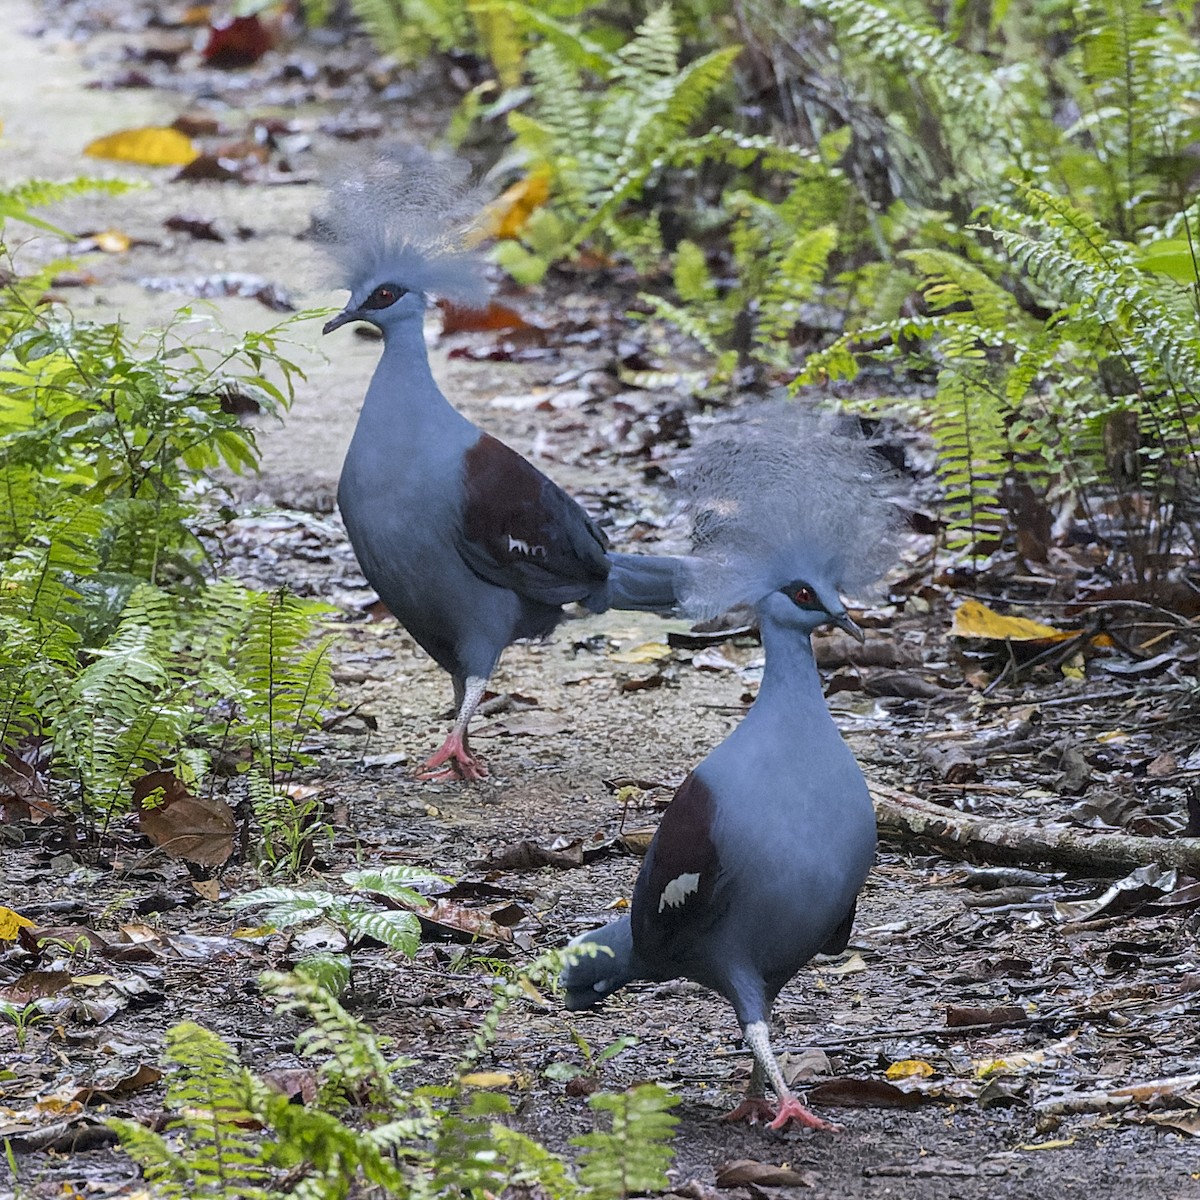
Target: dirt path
[[1112, 1001]]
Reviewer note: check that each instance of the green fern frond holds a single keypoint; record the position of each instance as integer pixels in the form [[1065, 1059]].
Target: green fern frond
[[634, 1155], [221, 1156]]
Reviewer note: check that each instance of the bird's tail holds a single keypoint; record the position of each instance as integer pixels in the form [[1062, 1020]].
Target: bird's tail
[[643, 582], [591, 976]]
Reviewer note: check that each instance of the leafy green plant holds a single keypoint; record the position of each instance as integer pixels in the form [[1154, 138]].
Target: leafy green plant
[[593, 1060], [355, 915], [601, 127], [234, 1135], [117, 648], [22, 1017], [1116, 364]]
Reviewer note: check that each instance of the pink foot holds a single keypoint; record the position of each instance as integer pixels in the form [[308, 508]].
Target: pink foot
[[752, 1110], [455, 761], [792, 1110]]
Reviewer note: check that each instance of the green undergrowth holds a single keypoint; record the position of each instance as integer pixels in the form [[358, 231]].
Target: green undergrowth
[[995, 204], [122, 649], [357, 1122]]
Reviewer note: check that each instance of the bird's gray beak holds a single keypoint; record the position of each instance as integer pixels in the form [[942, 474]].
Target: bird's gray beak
[[343, 318], [843, 621]]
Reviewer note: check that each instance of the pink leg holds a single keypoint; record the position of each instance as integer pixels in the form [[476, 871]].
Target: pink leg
[[454, 760], [753, 1110], [790, 1109]]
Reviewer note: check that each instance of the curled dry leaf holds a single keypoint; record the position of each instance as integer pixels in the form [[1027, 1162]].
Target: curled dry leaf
[[237, 42], [748, 1172], [197, 828]]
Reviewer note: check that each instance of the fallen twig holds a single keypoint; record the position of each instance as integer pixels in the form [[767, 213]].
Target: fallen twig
[[906, 817]]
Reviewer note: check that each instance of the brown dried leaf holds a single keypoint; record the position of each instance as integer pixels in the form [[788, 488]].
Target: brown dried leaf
[[1005, 1014], [445, 918], [296, 1083], [862, 1093], [34, 985], [743, 1172], [197, 828], [106, 1091], [527, 855]]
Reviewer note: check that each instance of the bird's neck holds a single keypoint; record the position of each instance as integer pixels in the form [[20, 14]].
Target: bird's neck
[[404, 399], [790, 692], [406, 358]]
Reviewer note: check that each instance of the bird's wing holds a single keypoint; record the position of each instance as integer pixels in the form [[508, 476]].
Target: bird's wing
[[677, 897], [523, 532]]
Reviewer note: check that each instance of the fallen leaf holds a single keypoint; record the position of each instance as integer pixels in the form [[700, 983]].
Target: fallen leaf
[[647, 652], [106, 1090], [1005, 1014], [11, 924], [1184, 1121], [862, 1093], [486, 1079], [851, 966], [493, 317], [35, 985], [152, 146], [1056, 1144], [973, 619], [236, 42], [528, 855], [909, 1068], [296, 1083], [198, 828], [509, 213], [743, 1172]]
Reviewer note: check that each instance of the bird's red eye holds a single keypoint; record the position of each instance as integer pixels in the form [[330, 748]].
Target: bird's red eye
[[383, 296], [804, 595]]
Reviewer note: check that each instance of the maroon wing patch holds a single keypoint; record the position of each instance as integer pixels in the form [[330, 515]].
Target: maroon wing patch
[[523, 532], [675, 887]]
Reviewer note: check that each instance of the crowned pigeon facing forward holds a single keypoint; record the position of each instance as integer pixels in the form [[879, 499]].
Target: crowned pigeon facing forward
[[758, 860], [468, 545]]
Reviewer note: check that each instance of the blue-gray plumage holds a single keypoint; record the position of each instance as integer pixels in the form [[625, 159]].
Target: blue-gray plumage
[[468, 545], [759, 858]]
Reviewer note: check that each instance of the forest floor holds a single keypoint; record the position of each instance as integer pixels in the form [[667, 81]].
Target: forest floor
[[1090, 1089]]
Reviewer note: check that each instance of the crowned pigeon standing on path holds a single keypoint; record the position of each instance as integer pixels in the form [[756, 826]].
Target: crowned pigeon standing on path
[[758, 860], [468, 545]]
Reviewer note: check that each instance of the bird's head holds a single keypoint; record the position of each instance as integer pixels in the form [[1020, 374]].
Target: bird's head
[[384, 305], [787, 515], [804, 607], [400, 227]]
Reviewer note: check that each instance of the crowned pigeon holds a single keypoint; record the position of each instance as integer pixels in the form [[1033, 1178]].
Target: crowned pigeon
[[468, 545], [758, 860]]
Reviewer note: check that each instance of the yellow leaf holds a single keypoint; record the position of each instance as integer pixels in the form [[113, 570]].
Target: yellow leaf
[[486, 1079], [111, 241], [909, 1068], [1058, 1144], [153, 146], [90, 980], [532, 992], [975, 620], [508, 214], [11, 923], [851, 966], [647, 652]]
